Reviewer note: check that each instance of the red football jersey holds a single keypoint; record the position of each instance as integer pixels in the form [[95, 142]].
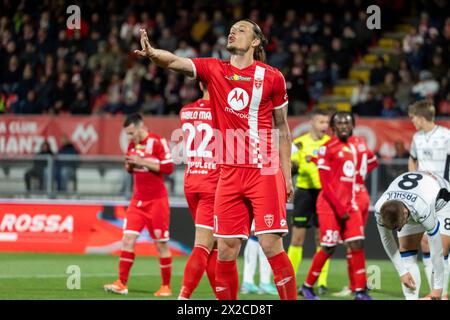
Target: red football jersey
[[149, 185], [366, 159], [243, 101], [336, 164], [202, 171]]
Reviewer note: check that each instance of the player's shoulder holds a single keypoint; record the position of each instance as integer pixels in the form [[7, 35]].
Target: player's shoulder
[[270, 70], [443, 131], [332, 143], [154, 136]]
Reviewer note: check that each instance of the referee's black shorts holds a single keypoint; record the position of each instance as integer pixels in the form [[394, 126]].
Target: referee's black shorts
[[305, 215]]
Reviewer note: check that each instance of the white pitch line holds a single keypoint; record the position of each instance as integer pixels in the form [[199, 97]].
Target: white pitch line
[[89, 275]]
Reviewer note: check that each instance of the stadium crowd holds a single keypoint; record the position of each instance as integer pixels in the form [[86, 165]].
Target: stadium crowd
[[47, 68]]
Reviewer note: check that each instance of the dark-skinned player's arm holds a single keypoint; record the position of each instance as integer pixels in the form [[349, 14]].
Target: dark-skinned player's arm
[[163, 58], [285, 145]]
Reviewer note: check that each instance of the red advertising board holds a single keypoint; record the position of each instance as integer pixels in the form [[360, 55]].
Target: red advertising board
[[103, 135], [69, 228]]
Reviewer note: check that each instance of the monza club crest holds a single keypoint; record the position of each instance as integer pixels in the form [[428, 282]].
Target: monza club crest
[[268, 219], [258, 83]]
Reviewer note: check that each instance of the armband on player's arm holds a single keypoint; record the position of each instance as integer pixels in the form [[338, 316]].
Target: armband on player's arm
[[391, 248], [329, 194]]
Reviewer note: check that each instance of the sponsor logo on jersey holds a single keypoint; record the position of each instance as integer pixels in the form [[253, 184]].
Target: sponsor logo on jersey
[[220, 289], [348, 168], [236, 77], [283, 222], [238, 99], [361, 147], [157, 233], [268, 219]]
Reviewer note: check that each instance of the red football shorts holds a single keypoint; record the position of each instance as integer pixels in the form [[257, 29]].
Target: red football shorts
[[153, 214], [333, 229], [243, 194], [363, 201], [201, 205]]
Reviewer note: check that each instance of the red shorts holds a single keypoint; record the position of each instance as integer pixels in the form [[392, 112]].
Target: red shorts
[[153, 214], [333, 229], [243, 194], [201, 206], [363, 201]]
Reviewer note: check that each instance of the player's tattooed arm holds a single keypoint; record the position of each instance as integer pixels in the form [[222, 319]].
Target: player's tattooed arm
[[285, 143], [163, 58]]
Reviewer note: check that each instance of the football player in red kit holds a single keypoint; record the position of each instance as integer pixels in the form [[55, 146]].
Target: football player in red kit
[[249, 104], [148, 159], [339, 215], [200, 183], [366, 161]]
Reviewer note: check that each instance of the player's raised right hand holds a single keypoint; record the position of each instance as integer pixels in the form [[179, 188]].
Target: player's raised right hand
[[147, 50], [408, 281]]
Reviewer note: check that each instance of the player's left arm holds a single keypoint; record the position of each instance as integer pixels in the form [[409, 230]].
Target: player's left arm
[[280, 104], [432, 225], [285, 141]]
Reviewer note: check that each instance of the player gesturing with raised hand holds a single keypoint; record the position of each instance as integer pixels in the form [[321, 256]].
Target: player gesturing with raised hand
[[249, 103], [414, 203]]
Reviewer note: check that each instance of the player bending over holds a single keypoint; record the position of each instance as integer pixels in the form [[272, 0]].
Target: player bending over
[[414, 203], [148, 159]]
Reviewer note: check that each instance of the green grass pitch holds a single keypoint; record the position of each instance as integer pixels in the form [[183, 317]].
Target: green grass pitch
[[43, 276]]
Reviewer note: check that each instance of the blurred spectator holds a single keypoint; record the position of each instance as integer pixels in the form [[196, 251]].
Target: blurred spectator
[[427, 87], [80, 105], [372, 107], [39, 170], [359, 93], [378, 73], [167, 41], [185, 50], [114, 94], [65, 169], [403, 93], [389, 108], [200, 27], [387, 87], [400, 150]]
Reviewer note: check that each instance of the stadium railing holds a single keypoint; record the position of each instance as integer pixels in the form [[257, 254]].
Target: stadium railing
[[104, 177]]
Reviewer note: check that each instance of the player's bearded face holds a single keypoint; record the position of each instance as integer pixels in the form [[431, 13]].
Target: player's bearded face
[[240, 38]]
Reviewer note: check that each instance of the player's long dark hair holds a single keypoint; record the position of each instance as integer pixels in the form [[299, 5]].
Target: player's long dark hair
[[259, 53]]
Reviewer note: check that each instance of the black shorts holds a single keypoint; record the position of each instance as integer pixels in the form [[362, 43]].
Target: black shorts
[[305, 215]]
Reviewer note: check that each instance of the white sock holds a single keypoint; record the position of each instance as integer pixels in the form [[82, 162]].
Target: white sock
[[428, 266], [250, 260], [410, 263], [265, 271], [446, 271]]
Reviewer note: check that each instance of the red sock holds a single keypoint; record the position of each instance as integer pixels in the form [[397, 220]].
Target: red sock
[[193, 272], [350, 271], [358, 261], [283, 276], [211, 269], [125, 263], [227, 280], [316, 267], [165, 264]]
